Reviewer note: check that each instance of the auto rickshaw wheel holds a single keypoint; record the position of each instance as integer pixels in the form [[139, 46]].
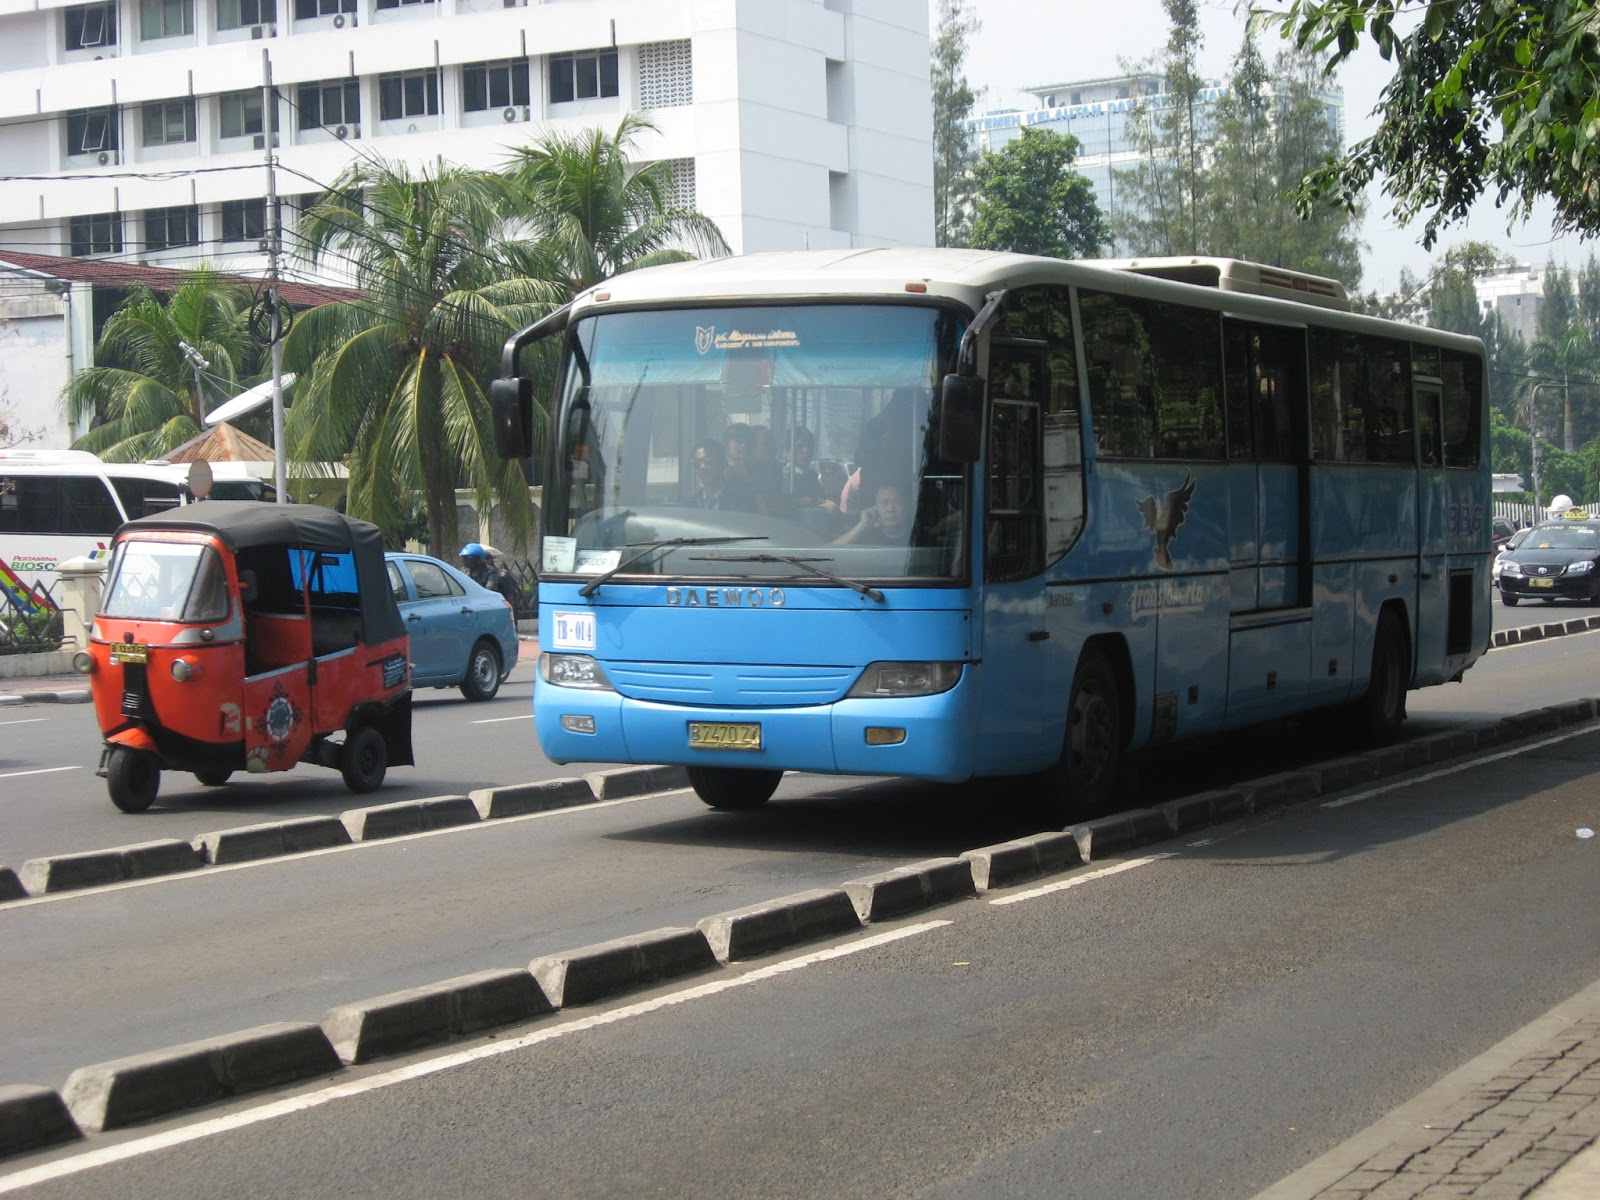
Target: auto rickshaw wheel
[[364, 760], [214, 776], [133, 777]]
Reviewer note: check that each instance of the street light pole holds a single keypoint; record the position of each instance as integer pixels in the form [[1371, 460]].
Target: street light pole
[[1533, 430]]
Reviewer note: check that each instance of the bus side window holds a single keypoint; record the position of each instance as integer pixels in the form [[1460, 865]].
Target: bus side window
[[1013, 542]]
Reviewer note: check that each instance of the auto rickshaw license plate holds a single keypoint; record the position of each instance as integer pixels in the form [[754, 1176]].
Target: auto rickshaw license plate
[[1541, 583], [724, 735], [130, 652]]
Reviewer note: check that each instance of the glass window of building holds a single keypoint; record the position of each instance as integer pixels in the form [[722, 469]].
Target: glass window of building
[[91, 25], [244, 220], [236, 14], [96, 233], [585, 75], [239, 113], [491, 85], [401, 3], [412, 94], [305, 10], [165, 18], [332, 103], [91, 129], [168, 123], [165, 228]]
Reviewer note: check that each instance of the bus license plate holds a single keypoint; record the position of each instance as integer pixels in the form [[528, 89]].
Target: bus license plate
[[1541, 583], [129, 652], [724, 735]]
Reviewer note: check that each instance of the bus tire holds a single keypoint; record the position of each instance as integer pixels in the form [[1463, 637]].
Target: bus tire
[[363, 760], [214, 776], [483, 676], [1508, 599], [1376, 717], [734, 789], [1091, 753], [133, 777]]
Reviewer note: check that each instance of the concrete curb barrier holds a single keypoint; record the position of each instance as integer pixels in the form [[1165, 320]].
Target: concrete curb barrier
[[145, 1086], [1285, 787], [635, 781], [69, 696], [143, 860], [594, 972], [408, 816], [1105, 836], [910, 888], [1204, 808], [10, 886], [518, 799], [762, 928], [425, 1016], [1006, 863], [249, 842], [32, 1117]]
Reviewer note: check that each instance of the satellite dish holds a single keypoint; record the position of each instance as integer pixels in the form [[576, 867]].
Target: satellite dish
[[247, 401], [200, 479]]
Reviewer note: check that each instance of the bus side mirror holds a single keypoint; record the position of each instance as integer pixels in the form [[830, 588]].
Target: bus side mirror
[[960, 418], [511, 404]]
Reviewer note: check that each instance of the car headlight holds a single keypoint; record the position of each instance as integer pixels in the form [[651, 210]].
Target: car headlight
[[1510, 568], [573, 671], [882, 679], [1580, 568]]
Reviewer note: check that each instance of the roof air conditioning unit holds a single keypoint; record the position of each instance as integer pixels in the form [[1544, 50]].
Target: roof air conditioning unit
[[338, 20], [509, 115], [256, 33], [105, 157], [342, 132]]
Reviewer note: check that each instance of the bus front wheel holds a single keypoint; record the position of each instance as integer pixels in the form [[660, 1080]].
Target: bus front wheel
[[736, 789], [1375, 718], [1092, 752]]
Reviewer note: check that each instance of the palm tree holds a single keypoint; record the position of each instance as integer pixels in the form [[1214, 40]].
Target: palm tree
[[592, 213], [395, 386], [1562, 361], [151, 395]]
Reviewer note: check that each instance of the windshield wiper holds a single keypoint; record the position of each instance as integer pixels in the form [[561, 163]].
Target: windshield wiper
[[803, 563], [646, 549]]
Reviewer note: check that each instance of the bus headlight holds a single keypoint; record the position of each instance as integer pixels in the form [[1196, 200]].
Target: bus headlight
[[882, 679], [573, 671]]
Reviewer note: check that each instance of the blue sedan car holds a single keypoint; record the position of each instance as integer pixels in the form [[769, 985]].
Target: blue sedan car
[[462, 635]]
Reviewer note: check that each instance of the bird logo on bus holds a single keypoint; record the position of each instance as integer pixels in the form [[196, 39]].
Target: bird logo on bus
[[1164, 522]]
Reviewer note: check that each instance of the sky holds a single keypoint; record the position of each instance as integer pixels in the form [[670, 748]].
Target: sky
[[1027, 43]]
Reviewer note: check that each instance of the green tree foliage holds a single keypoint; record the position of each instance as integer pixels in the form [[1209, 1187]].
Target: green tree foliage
[[1271, 128], [1487, 96], [1031, 201], [587, 212], [143, 395], [1159, 201], [953, 155], [392, 384]]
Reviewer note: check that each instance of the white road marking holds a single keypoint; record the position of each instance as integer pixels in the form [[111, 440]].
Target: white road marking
[[1062, 885], [297, 1104], [28, 721], [41, 771], [1456, 768], [497, 720]]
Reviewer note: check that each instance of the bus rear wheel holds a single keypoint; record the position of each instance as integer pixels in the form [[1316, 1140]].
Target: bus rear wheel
[[734, 789], [1091, 754], [1375, 718]]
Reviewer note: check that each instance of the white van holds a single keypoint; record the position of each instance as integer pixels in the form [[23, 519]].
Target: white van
[[61, 504]]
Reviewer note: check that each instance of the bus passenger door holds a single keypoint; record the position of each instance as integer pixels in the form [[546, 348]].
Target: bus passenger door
[[1018, 654], [1270, 628]]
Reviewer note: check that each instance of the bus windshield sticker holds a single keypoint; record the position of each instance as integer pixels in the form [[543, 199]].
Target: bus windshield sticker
[[559, 553], [596, 562], [572, 631]]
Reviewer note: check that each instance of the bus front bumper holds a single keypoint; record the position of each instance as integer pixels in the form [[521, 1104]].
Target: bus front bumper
[[922, 737]]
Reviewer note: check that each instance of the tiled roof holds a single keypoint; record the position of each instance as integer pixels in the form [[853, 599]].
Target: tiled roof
[[159, 279], [221, 443]]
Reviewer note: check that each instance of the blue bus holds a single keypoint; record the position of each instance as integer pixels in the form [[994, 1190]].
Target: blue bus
[[949, 514]]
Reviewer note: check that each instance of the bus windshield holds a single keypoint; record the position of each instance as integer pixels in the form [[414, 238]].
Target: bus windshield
[[757, 441]]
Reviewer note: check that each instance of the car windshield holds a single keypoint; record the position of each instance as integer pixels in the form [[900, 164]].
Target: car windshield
[[731, 442], [1562, 537], [165, 581]]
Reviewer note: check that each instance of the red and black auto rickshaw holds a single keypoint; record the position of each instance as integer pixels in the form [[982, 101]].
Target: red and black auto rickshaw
[[240, 635]]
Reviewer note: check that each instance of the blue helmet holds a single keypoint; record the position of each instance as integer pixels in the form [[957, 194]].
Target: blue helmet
[[472, 550]]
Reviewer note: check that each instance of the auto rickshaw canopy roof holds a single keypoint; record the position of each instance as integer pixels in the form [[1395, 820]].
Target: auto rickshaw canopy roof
[[251, 524]]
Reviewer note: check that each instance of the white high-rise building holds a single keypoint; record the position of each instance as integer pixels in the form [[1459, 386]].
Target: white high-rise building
[[134, 129]]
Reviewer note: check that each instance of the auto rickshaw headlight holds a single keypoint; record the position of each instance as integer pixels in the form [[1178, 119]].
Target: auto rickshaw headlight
[[82, 662], [184, 670]]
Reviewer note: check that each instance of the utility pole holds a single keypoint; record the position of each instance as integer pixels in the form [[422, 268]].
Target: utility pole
[[197, 363], [269, 125]]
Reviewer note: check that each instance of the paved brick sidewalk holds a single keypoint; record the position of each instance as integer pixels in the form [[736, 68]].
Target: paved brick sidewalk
[[1498, 1129]]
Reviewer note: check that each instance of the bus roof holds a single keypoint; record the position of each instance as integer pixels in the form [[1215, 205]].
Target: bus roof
[[967, 276], [24, 461]]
